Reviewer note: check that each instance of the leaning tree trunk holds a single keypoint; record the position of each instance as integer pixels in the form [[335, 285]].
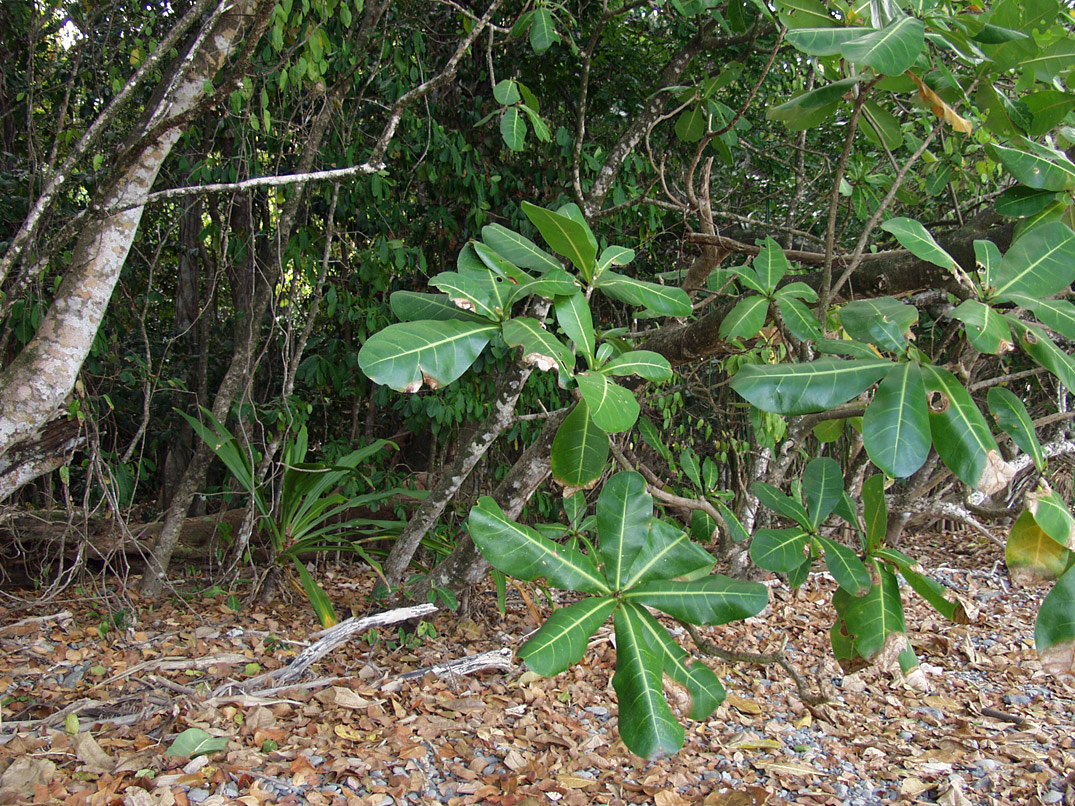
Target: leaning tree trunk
[[35, 386]]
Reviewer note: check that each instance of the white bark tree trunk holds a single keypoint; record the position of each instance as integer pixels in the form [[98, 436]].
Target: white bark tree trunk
[[35, 386]]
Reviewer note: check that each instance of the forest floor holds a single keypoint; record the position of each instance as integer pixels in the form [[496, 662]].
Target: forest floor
[[990, 727]]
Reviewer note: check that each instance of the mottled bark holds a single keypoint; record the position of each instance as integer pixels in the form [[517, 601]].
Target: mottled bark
[[36, 384]]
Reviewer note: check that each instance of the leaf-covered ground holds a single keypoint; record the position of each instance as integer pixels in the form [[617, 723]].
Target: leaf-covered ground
[[990, 728]]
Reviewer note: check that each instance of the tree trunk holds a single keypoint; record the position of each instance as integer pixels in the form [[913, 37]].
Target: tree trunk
[[34, 387]]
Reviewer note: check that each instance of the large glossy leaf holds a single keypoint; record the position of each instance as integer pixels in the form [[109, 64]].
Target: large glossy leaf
[[745, 320], [800, 320], [1031, 555], [624, 509], [961, 434], [846, 568], [540, 347], [823, 486], [715, 599], [1052, 515], [864, 623], [1019, 201], [485, 293], [883, 321], [823, 41], [875, 512], [895, 428], [521, 552], [647, 725], [803, 388], [890, 51], [520, 250], [929, 589], [1039, 264], [882, 127], [543, 31], [554, 283], [612, 407], [660, 299], [1039, 169], [562, 639], [413, 306], [1011, 415], [987, 257], [614, 256], [1054, 632], [643, 363], [573, 315], [667, 553], [404, 355], [796, 14], [781, 504], [1045, 351], [779, 550], [801, 106], [917, 240], [1057, 314], [986, 329], [565, 235], [705, 689], [771, 264], [513, 128], [579, 450]]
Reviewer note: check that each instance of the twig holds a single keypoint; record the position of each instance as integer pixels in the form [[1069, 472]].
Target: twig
[[707, 647]]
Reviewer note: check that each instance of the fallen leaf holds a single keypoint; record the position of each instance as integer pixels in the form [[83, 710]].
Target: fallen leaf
[[742, 704], [751, 796], [25, 773], [575, 781], [90, 753], [787, 768], [341, 697]]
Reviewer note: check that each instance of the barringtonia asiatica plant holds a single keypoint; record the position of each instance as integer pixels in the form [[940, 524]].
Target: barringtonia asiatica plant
[[640, 562]]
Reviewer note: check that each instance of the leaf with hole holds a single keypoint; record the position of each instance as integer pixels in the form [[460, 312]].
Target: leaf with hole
[[895, 428]]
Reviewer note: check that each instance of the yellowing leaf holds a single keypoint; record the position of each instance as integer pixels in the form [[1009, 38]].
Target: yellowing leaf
[[941, 109], [743, 705], [349, 733]]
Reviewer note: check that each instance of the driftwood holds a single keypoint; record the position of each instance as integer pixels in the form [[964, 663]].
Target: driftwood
[[330, 639]]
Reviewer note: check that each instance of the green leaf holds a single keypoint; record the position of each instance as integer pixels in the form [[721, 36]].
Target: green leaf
[[647, 725], [961, 435], [1056, 314], [705, 689], [543, 31], [521, 552], [797, 14], [667, 552], [929, 589], [799, 319], [196, 742], [566, 236], [823, 486], [895, 428], [506, 92], [541, 128], [779, 550], [540, 348], [624, 509], [864, 623], [884, 127], [1019, 201], [1048, 109], [890, 51], [1048, 64], [520, 250], [688, 461], [715, 599], [770, 264], [852, 349], [660, 299], [804, 388], [735, 529], [485, 293], [823, 98], [553, 283], [579, 450], [1031, 555], [1011, 415], [1054, 631], [614, 256], [403, 356], [846, 568], [823, 41], [561, 641], [916, 239], [319, 600], [513, 129], [1052, 515], [875, 511], [1043, 169], [987, 331], [573, 315], [1039, 264], [413, 306], [987, 256], [612, 407], [691, 124], [781, 504], [883, 321], [745, 320], [643, 363], [1043, 349]]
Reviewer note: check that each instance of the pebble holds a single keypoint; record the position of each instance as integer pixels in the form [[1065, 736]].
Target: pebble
[[315, 759], [906, 735], [1052, 796], [231, 790], [597, 710], [1016, 699], [986, 764], [197, 794]]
